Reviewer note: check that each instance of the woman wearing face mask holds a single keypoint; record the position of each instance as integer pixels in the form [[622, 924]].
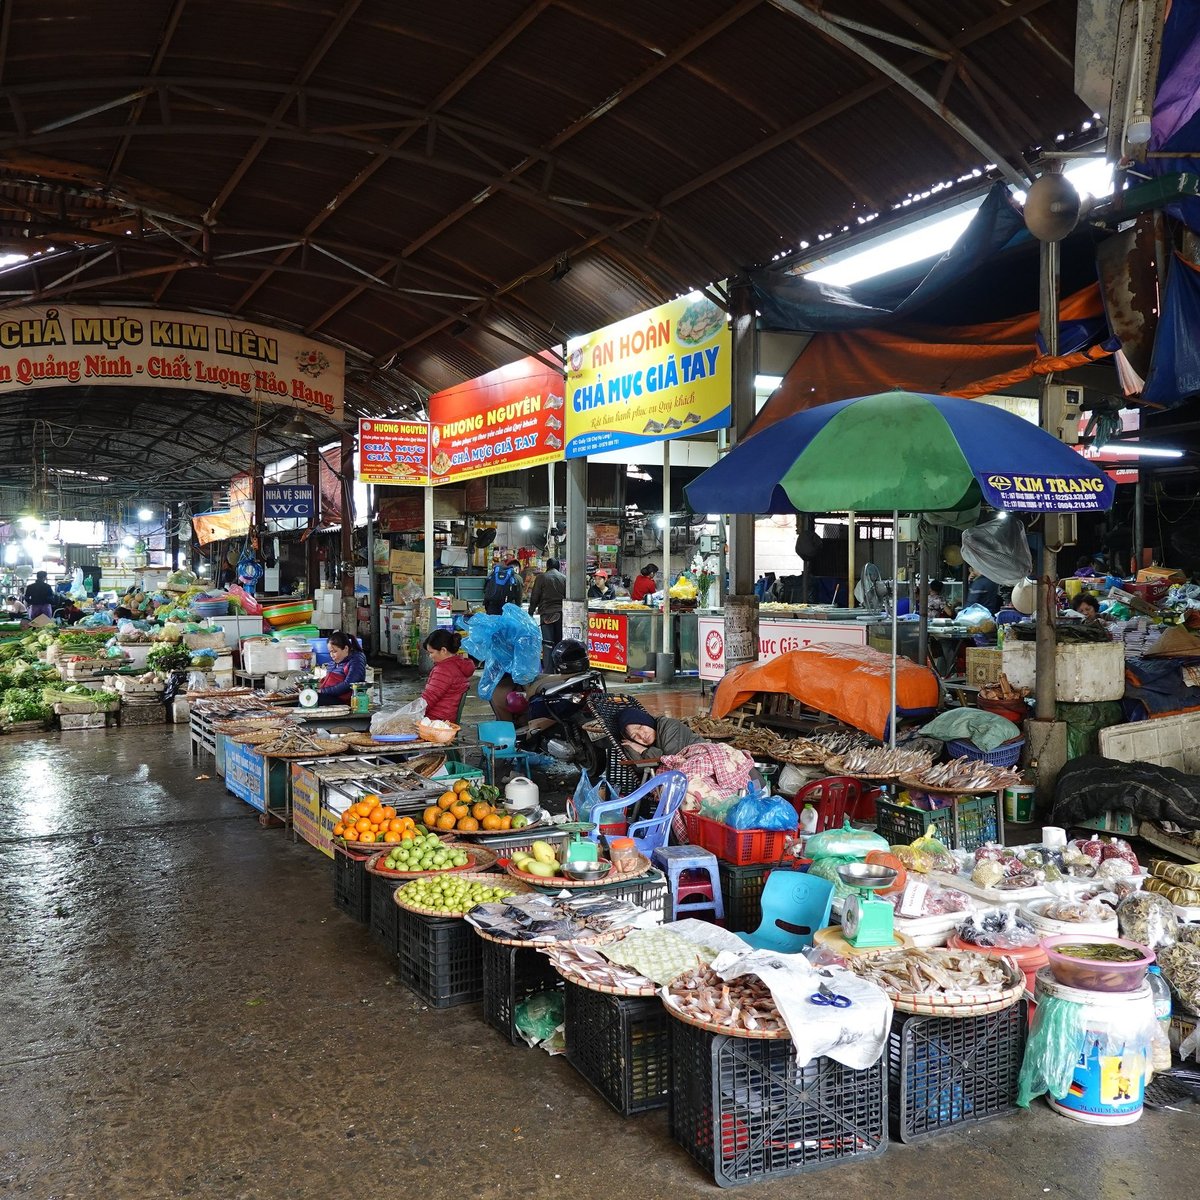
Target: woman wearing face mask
[[349, 667], [450, 678]]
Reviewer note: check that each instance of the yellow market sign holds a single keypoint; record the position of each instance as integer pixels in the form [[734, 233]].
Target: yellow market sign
[[663, 374], [128, 347]]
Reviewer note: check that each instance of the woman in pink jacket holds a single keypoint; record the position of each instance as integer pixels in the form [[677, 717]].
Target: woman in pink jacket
[[450, 677]]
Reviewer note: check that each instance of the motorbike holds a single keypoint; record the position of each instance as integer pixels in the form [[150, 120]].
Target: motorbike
[[558, 716]]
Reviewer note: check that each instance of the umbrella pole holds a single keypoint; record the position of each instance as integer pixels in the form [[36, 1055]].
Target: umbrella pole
[[895, 620]]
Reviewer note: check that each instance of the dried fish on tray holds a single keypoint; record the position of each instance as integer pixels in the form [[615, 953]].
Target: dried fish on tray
[[951, 982], [880, 762], [801, 752], [708, 727], [963, 775], [296, 743], [588, 968], [742, 1007], [842, 741]]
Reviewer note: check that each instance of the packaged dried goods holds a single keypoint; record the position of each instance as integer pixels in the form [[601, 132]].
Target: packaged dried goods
[[1148, 919]]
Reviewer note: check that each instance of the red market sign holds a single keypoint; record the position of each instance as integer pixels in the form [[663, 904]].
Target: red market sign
[[393, 452], [776, 636], [511, 417], [608, 641]]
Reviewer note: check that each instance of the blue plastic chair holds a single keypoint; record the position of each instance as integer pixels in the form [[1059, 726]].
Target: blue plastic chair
[[794, 906], [647, 835], [498, 740]]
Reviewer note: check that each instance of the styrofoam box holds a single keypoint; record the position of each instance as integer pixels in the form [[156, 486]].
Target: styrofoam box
[[1165, 742], [263, 658], [1084, 673]]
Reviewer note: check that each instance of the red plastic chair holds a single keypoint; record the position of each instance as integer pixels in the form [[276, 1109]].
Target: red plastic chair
[[831, 797]]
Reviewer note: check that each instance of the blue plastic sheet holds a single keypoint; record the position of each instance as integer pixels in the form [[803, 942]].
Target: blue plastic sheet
[[510, 644]]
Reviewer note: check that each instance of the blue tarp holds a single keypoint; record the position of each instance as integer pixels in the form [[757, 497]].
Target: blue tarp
[[1174, 374]]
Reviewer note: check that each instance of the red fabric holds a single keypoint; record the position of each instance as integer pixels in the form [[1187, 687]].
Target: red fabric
[[446, 686], [967, 361], [643, 586]]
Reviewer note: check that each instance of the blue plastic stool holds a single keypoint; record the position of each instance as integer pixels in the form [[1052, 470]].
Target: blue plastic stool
[[676, 861]]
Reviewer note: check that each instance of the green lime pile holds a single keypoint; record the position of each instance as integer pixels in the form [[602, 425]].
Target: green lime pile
[[452, 896], [425, 853]]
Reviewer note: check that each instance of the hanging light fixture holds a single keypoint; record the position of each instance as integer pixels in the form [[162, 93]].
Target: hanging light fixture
[[295, 427]]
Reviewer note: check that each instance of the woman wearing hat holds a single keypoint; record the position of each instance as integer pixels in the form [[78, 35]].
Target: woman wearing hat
[[601, 589], [646, 736]]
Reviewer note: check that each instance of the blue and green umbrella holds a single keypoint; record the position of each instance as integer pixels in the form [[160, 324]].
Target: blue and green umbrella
[[905, 452]]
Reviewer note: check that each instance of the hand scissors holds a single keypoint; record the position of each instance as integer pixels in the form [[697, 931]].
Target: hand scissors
[[826, 998]]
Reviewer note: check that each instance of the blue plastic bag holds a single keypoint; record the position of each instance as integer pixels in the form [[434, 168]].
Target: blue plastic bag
[[756, 811], [510, 644], [588, 795]]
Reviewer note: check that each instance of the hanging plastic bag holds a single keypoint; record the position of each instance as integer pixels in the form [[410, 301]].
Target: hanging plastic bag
[[1053, 1049], [588, 795], [999, 549], [510, 644]]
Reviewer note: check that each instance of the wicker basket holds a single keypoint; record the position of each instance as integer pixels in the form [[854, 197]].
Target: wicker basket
[[440, 737]]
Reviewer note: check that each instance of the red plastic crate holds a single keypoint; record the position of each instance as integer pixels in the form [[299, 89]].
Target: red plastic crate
[[742, 847]]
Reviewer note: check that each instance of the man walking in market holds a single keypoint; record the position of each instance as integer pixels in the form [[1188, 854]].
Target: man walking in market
[[546, 599]]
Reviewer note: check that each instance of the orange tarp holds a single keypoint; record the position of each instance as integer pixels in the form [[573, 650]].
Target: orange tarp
[[965, 360], [852, 683]]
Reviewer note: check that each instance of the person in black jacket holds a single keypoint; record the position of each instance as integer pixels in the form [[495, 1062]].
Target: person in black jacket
[[503, 587], [39, 596]]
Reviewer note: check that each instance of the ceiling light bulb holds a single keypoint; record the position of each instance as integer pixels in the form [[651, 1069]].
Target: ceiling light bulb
[[525, 523], [661, 522], [127, 540], [144, 514]]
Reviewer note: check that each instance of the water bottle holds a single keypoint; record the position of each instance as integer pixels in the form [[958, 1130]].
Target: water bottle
[[1160, 993], [808, 819]]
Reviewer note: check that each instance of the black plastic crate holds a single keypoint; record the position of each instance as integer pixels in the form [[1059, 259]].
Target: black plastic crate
[[745, 1112], [620, 1045], [351, 885], [383, 923], [944, 1072], [741, 893], [649, 890], [512, 974], [439, 958]]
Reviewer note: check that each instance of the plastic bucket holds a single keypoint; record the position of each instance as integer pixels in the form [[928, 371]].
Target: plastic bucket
[[1018, 804], [1109, 1083], [320, 648]]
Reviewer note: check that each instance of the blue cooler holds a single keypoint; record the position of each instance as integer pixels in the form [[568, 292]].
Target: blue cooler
[[321, 651]]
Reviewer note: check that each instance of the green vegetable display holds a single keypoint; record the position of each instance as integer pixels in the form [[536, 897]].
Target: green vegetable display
[[169, 658], [24, 704]]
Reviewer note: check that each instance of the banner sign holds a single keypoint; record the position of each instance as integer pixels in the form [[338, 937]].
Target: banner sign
[[608, 641], [510, 417], [1048, 493], [114, 346], [217, 526], [288, 501], [775, 637], [393, 452], [663, 374]]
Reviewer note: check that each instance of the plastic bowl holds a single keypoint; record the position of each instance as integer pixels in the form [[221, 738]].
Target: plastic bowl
[[1089, 976]]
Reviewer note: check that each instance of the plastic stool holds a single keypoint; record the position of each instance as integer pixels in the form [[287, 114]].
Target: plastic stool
[[677, 861]]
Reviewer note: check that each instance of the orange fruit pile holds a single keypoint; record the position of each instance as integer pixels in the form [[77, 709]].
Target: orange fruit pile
[[368, 822], [459, 810]]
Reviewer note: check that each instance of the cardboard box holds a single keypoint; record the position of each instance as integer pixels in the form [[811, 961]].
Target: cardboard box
[[408, 562]]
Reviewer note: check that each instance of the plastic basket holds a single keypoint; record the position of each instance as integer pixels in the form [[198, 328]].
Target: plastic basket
[[438, 958], [621, 1046], [742, 847], [967, 824], [382, 922], [944, 1072], [745, 1112], [1007, 755], [351, 885], [512, 974], [456, 770]]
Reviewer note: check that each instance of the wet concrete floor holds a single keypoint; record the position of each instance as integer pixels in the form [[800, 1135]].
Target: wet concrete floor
[[183, 1013]]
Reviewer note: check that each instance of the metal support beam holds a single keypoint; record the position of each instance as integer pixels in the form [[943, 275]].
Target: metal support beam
[[901, 77], [349, 615], [741, 606], [312, 466], [1047, 641]]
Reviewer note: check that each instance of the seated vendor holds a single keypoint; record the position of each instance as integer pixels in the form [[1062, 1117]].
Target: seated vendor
[[937, 605], [349, 667], [646, 736], [1088, 607]]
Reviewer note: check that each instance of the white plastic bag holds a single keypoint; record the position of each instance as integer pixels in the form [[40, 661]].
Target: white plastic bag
[[400, 720]]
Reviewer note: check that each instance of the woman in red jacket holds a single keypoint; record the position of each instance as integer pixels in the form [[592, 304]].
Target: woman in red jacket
[[643, 585], [451, 676]]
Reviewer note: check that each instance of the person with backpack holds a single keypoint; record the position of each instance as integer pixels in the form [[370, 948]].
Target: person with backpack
[[503, 587]]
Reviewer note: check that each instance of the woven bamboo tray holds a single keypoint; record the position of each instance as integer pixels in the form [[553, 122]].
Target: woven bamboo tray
[[959, 1004], [648, 988], [759, 1035], [322, 748], [498, 833], [220, 693], [427, 764], [254, 737], [583, 939], [914, 782], [836, 766], [489, 880], [480, 860], [561, 881]]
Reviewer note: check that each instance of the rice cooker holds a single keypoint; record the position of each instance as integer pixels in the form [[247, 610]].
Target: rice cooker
[[521, 794]]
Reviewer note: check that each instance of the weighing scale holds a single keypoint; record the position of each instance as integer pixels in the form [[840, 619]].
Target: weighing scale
[[309, 698], [866, 920]]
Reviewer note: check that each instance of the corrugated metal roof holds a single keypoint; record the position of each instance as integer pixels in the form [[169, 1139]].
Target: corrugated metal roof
[[368, 153]]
